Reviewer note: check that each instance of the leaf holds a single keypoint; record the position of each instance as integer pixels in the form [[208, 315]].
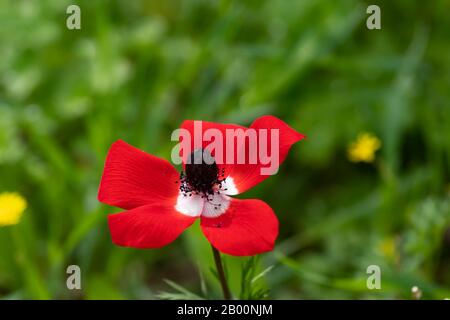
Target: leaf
[[182, 294], [250, 290]]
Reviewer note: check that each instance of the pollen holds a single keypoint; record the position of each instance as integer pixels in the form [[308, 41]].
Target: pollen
[[364, 148], [12, 206]]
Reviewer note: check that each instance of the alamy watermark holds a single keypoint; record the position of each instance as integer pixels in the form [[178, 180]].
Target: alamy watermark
[[73, 22], [374, 280], [73, 281], [231, 146], [374, 20]]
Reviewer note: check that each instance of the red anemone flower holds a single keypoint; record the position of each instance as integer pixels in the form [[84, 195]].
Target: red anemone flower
[[160, 203]]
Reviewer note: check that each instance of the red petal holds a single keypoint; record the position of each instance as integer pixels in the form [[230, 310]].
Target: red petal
[[246, 176], [150, 226], [248, 227], [133, 178]]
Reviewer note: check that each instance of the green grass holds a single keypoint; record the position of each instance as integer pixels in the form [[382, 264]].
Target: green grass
[[137, 69]]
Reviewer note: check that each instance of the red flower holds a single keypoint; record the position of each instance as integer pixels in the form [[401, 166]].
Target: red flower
[[160, 203]]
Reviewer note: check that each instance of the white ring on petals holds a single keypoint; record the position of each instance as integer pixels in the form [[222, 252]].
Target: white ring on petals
[[228, 187], [189, 205], [216, 205]]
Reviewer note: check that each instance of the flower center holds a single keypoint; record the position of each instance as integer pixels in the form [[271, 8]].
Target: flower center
[[204, 189], [202, 175]]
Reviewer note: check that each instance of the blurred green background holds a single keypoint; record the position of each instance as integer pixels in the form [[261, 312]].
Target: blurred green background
[[137, 69]]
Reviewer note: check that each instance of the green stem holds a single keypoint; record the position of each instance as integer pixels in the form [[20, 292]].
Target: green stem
[[221, 274]]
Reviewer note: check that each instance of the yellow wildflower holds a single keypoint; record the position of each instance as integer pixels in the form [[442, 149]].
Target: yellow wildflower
[[387, 247], [12, 205], [364, 148]]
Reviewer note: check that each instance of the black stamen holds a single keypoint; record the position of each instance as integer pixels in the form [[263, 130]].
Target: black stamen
[[202, 175]]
